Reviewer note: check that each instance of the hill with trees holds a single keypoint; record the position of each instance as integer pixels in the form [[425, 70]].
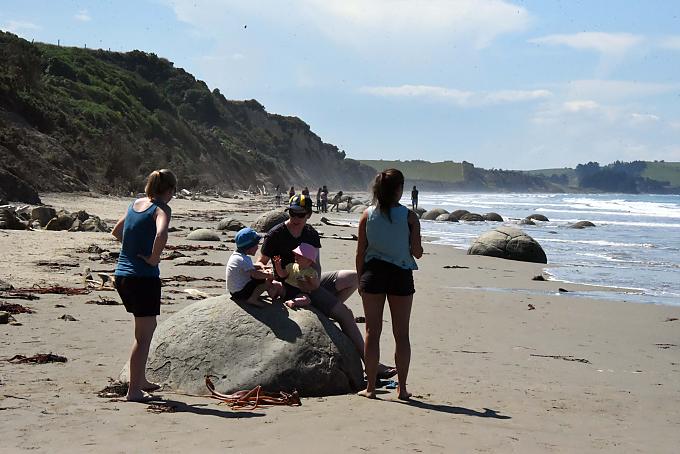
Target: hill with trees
[[77, 119]]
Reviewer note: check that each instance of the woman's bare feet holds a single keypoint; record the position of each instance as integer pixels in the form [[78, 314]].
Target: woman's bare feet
[[148, 386], [141, 396], [403, 394], [366, 393]]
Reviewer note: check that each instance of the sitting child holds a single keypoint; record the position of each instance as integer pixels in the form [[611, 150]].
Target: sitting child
[[246, 281], [300, 270]]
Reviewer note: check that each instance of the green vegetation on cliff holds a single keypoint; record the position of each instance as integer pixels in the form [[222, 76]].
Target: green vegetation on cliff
[[73, 118]]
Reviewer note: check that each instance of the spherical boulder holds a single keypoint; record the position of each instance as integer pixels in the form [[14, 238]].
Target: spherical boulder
[[230, 224], [244, 346], [494, 217], [358, 208], [43, 215], [10, 221], [61, 222], [472, 217], [526, 221], [442, 217], [432, 214], [508, 243], [581, 225], [537, 217], [459, 213], [203, 235], [265, 222], [420, 211]]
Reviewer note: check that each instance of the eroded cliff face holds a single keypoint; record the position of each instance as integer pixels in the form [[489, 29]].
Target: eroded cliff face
[[75, 119]]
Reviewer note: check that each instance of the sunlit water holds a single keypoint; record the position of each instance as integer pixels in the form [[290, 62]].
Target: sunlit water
[[636, 244]]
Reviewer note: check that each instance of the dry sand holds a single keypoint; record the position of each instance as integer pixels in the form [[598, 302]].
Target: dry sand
[[482, 371]]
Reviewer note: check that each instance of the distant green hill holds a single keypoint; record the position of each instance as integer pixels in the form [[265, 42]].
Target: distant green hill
[[663, 171], [73, 119]]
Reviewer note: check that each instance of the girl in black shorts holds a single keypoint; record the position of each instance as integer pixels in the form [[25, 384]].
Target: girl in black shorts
[[389, 239]]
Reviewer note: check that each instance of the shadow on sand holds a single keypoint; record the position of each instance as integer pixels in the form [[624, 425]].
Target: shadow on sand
[[203, 409], [487, 413]]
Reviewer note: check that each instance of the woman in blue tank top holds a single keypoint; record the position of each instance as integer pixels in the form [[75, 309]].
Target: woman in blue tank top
[[143, 230], [389, 239]]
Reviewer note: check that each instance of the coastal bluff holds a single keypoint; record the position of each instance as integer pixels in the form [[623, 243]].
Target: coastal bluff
[[243, 346]]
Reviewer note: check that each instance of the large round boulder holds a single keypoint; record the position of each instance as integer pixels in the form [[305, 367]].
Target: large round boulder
[[508, 243], [442, 217], [494, 217], [432, 214], [581, 225], [203, 235], [472, 217], [459, 214], [230, 224], [43, 215], [358, 208], [268, 220], [537, 217], [244, 346], [420, 211], [62, 222], [10, 221]]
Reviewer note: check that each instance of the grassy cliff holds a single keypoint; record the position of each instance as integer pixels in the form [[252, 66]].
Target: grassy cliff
[[72, 119]]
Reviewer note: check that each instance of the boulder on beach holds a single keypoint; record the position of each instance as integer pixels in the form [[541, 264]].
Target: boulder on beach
[[537, 217], [419, 211], [442, 217], [472, 217], [43, 215], [203, 235], [92, 224], [62, 221], [508, 243], [494, 217], [432, 214], [230, 224], [358, 209], [244, 346], [458, 214], [265, 222], [526, 221], [581, 225], [10, 221]]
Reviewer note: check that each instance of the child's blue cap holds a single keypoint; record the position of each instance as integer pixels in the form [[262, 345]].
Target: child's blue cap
[[246, 238]]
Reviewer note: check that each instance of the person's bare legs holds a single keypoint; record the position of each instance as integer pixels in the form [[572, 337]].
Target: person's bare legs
[[275, 290], [255, 297], [144, 329], [346, 284], [374, 304], [400, 308]]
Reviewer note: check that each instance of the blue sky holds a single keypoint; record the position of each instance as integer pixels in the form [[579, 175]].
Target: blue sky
[[501, 84]]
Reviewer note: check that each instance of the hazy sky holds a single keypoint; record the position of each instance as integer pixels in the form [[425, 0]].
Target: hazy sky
[[503, 84]]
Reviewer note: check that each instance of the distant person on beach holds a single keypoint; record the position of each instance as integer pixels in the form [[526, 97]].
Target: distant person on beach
[[245, 280], [301, 269], [278, 195], [143, 231], [335, 202], [305, 191], [331, 290], [414, 198], [389, 239], [318, 201], [291, 193], [324, 199]]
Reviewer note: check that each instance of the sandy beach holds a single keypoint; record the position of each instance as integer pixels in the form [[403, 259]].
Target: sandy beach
[[488, 373]]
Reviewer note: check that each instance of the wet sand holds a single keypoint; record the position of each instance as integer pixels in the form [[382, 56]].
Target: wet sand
[[488, 373]]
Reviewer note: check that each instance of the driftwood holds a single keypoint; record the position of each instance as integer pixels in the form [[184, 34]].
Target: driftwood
[[352, 237], [251, 399], [199, 262], [326, 221], [183, 278], [186, 247]]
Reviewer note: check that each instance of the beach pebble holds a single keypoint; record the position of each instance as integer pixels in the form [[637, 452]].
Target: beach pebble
[[204, 235], [508, 243], [245, 346]]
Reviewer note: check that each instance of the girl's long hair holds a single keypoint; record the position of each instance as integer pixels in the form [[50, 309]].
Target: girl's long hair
[[385, 187]]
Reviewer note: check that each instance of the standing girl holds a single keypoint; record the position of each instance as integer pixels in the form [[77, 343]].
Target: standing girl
[[143, 231], [389, 239]]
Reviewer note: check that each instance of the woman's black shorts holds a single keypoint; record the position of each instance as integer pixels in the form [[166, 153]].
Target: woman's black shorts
[[385, 278], [141, 295]]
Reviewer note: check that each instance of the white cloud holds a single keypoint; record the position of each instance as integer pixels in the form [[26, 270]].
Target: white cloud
[[372, 24], [580, 105], [459, 97], [16, 26], [82, 16], [615, 90], [643, 117], [670, 42], [604, 43]]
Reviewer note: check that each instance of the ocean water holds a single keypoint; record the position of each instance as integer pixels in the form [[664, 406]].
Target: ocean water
[[635, 244]]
